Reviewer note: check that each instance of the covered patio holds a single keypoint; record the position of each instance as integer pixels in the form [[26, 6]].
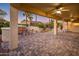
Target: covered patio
[[48, 43]]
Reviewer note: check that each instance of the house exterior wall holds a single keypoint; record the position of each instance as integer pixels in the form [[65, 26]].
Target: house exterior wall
[[74, 27]]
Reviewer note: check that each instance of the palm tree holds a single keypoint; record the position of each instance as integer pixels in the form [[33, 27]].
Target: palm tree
[[26, 17], [29, 18], [2, 13], [36, 17]]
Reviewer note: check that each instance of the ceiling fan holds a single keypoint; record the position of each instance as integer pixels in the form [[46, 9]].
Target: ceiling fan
[[58, 8], [73, 18]]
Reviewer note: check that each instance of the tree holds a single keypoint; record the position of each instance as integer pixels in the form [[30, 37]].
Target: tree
[[2, 14], [50, 24], [29, 17]]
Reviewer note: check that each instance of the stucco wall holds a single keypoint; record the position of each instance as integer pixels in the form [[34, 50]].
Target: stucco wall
[[5, 34], [74, 27]]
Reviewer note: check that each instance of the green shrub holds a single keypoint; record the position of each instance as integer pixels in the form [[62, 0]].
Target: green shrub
[[4, 24], [39, 24], [23, 24], [50, 24]]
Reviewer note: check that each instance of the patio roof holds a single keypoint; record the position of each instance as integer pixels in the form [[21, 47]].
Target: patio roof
[[43, 9]]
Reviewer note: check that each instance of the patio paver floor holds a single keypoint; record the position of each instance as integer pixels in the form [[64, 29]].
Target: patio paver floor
[[48, 44]]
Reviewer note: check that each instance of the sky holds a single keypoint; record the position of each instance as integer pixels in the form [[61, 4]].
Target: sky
[[6, 8]]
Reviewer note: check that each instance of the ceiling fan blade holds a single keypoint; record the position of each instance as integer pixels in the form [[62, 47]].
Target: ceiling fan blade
[[65, 10], [56, 7], [51, 10]]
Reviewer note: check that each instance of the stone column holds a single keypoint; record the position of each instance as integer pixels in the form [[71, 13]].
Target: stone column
[[55, 27], [13, 28]]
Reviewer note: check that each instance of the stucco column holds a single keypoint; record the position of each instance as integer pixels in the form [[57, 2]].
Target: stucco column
[[55, 27], [13, 28], [65, 26], [70, 26]]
